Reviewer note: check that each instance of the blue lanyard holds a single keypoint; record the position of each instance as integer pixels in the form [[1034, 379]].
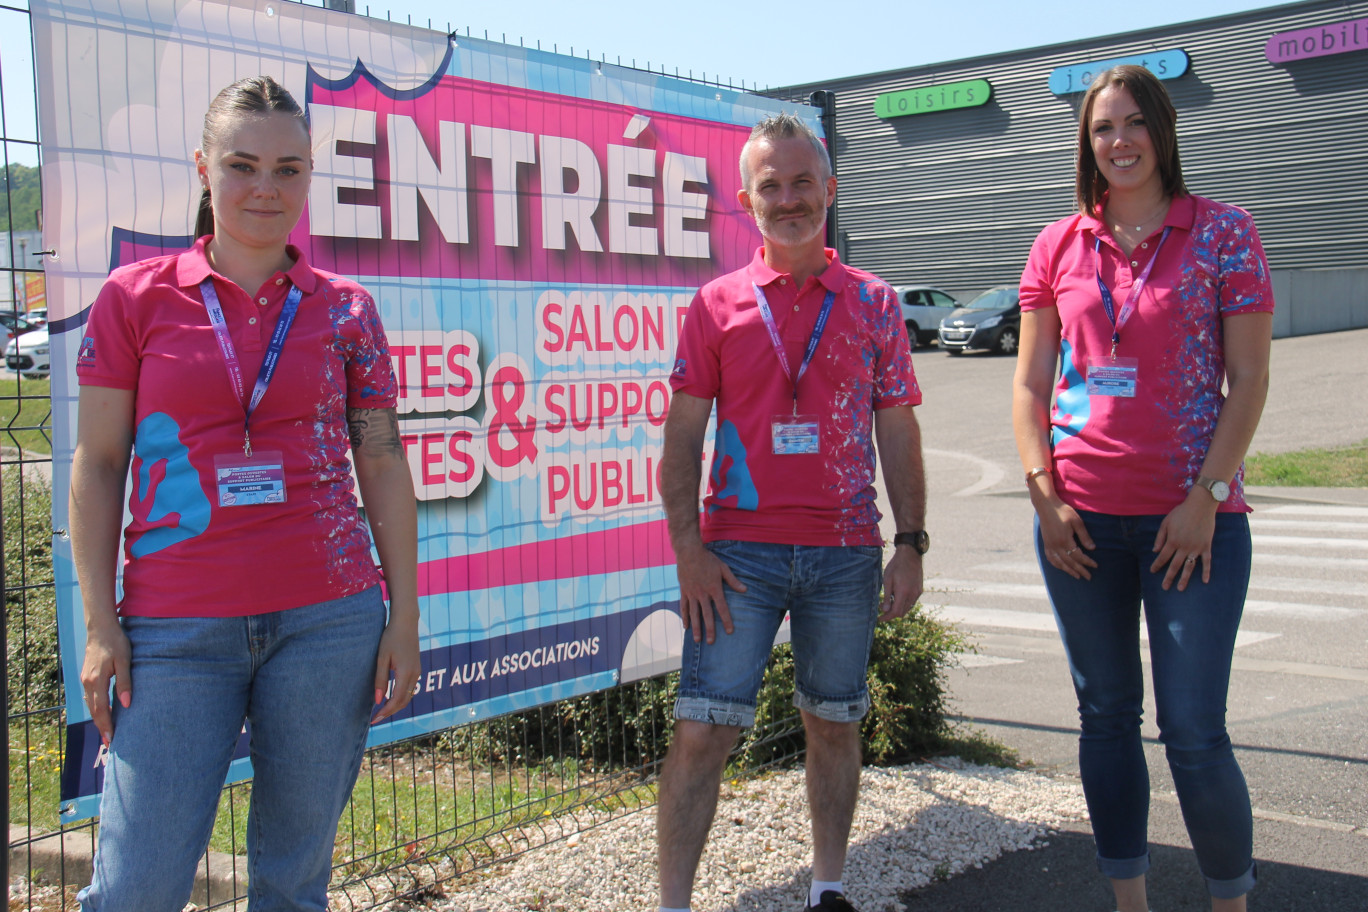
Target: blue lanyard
[[778, 343], [1128, 308], [230, 358]]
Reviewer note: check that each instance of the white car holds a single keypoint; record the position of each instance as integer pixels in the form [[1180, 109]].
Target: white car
[[923, 308], [27, 354]]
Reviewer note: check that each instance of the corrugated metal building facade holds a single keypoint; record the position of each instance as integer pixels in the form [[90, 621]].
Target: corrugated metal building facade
[[954, 198]]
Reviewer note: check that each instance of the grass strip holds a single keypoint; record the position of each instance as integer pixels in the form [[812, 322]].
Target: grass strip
[[1341, 467], [26, 414]]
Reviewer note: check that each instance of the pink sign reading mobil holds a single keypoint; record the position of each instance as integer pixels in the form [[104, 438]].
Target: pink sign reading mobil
[[1319, 41]]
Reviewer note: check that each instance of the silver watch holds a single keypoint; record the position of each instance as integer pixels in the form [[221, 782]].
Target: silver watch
[[1219, 489]]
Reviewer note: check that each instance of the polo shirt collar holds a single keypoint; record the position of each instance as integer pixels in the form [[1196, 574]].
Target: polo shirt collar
[[832, 278], [1182, 213], [192, 268]]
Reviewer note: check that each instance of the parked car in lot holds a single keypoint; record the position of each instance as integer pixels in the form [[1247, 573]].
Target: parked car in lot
[[15, 324], [991, 321], [27, 353], [923, 307]]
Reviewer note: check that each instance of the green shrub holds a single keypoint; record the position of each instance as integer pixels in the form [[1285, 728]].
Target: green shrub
[[629, 727], [906, 689]]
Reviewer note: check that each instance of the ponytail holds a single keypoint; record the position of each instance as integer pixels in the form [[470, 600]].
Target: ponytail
[[204, 218]]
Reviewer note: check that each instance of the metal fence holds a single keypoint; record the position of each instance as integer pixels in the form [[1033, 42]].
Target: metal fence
[[425, 812]]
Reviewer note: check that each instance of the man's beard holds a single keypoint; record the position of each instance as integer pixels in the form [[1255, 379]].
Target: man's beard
[[784, 232]]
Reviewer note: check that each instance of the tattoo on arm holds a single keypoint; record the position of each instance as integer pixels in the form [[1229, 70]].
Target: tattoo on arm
[[376, 431]]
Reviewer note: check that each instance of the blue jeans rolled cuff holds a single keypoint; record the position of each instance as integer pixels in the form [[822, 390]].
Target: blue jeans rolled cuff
[[1124, 868], [1235, 888]]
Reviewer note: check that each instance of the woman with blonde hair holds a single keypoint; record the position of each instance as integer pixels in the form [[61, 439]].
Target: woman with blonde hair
[[237, 379]]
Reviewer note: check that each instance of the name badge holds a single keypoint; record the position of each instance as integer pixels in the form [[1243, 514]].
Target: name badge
[[796, 435], [1113, 377], [244, 481]]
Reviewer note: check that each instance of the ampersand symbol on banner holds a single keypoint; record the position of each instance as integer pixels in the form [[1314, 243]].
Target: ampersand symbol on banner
[[507, 418]]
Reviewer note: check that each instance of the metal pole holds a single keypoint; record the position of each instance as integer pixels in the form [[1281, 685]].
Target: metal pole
[[4, 739], [825, 101]]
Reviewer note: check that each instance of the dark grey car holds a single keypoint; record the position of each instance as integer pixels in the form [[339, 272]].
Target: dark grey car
[[991, 321]]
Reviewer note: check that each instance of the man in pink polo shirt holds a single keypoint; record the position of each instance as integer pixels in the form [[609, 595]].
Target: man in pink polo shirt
[[808, 362]]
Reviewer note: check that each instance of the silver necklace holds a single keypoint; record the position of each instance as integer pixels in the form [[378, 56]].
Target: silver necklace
[[1153, 215]]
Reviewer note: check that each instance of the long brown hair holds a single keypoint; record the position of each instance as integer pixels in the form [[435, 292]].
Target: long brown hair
[[1161, 120], [252, 95]]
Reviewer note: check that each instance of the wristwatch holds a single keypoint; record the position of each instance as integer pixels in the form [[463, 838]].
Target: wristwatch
[[1219, 489], [920, 541]]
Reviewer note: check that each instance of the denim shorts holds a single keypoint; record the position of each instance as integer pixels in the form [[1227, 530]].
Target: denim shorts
[[831, 597]]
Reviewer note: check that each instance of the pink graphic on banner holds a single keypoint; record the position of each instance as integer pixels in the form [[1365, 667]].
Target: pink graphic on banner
[[609, 551], [480, 181]]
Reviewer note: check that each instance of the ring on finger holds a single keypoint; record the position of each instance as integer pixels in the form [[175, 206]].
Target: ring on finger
[[1191, 558], [1070, 551]]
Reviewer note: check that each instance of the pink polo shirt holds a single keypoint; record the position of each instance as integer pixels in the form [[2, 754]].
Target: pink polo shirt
[[863, 363], [184, 555], [1137, 456]]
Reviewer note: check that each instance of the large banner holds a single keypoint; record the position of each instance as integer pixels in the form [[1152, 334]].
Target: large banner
[[532, 227]]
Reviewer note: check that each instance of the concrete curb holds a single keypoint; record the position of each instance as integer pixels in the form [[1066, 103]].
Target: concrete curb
[[68, 857], [1349, 497]]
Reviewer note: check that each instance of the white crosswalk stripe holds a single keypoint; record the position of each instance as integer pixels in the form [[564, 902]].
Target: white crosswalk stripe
[[1305, 571], [1315, 510], [1031, 620], [1306, 584], [1301, 541], [1291, 524]]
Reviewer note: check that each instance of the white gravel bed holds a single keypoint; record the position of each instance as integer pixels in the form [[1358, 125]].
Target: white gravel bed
[[914, 825]]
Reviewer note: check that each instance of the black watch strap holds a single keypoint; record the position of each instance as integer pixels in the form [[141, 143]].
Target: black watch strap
[[920, 541]]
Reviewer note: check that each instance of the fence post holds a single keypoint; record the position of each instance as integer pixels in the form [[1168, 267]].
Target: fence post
[[4, 739]]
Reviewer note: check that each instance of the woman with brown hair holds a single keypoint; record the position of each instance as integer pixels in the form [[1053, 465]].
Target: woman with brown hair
[[1148, 299]]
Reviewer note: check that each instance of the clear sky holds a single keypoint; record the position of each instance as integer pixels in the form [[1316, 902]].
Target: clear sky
[[764, 44], [803, 41]]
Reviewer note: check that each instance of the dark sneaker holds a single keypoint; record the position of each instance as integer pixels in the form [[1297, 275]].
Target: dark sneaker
[[831, 902]]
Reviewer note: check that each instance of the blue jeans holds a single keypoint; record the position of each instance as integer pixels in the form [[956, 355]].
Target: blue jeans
[[1191, 643], [304, 679], [831, 595]]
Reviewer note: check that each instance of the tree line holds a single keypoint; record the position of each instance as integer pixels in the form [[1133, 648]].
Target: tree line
[[20, 197]]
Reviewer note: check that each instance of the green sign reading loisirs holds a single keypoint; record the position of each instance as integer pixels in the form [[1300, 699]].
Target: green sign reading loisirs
[[968, 94]]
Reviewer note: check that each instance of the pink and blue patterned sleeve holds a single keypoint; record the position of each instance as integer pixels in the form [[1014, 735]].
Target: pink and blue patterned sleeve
[[370, 373], [1243, 285], [895, 382]]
